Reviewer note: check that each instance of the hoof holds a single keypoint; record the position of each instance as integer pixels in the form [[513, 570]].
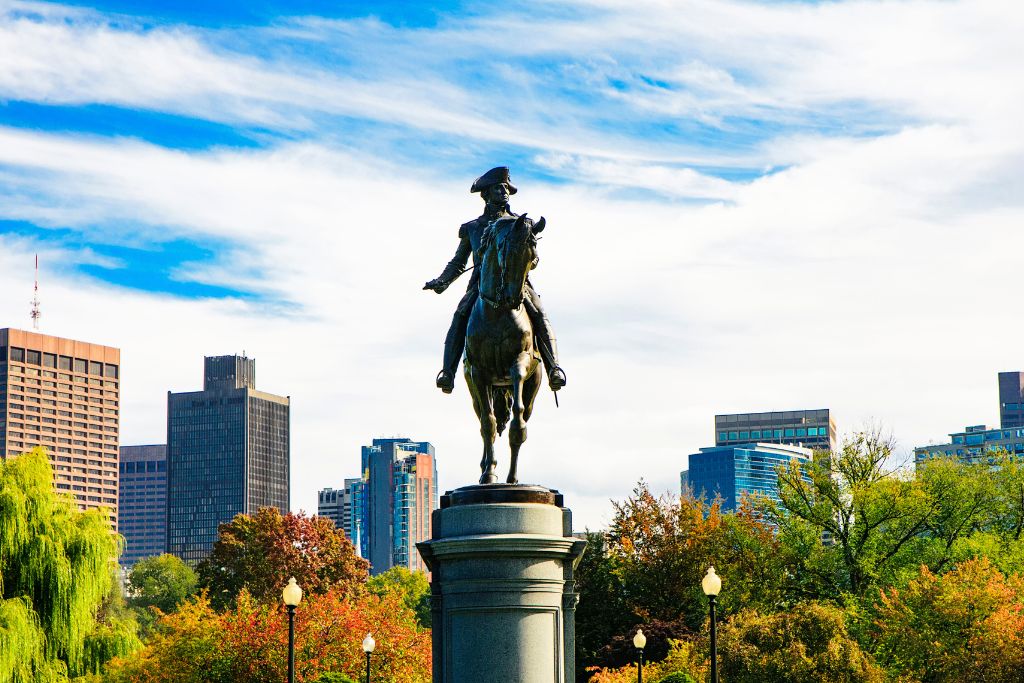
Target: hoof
[[511, 480], [488, 479]]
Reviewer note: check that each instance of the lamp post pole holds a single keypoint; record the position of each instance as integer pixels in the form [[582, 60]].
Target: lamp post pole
[[639, 642], [292, 596], [291, 643], [368, 644], [714, 640], [712, 586]]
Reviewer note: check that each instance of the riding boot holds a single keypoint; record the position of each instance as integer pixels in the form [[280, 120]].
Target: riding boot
[[546, 343], [454, 344]]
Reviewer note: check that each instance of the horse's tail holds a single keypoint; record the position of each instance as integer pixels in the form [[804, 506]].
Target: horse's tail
[[502, 398]]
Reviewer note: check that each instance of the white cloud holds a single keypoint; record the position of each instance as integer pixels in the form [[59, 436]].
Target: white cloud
[[876, 276]]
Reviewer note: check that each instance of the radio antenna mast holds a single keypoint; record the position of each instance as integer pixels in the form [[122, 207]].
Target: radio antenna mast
[[36, 314]]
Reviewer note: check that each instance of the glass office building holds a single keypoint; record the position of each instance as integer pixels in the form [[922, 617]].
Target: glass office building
[[399, 494], [743, 469], [1011, 399], [142, 502], [340, 506], [813, 429], [977, 444], [228, 452]]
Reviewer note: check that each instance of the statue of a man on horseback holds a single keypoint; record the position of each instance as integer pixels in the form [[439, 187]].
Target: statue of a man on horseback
[[499, 322]]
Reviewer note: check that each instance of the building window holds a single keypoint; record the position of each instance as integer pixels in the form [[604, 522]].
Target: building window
[[17, 354], [33, 357], [95, 368], [79, 365]]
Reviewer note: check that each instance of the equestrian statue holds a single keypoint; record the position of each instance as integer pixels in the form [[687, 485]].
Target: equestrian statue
[[499, 325]]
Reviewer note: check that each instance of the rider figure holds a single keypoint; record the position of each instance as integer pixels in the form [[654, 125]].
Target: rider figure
[[495, 188]]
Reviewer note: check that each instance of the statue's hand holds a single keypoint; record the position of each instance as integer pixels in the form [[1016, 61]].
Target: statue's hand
[[437, 285]]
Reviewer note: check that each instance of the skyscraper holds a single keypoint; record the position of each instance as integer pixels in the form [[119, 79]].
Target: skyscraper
[[142, 502], [63, 395], [809, 428], [400, 493], [1011, 399], [338, 506], [227, 453], [733, 471]]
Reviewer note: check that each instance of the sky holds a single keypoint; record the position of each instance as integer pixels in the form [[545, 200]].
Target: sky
[[751, 206]]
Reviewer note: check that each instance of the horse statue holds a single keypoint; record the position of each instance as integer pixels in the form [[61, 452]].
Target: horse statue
[[501, 360]]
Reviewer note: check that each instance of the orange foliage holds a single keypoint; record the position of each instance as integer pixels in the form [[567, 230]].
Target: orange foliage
[[250, 643]]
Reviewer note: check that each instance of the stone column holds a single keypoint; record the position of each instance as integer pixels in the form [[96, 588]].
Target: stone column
[[504, 603]]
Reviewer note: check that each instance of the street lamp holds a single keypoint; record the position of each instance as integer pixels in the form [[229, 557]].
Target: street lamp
[[292, 596], [639, 642], [368, 644], [712, 585]]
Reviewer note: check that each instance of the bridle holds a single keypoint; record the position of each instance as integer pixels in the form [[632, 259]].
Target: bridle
[[497, 305]]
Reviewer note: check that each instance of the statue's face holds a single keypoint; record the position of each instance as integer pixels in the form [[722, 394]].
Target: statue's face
[[497, 194]]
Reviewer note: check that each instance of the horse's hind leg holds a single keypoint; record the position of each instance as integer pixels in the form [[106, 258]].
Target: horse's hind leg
[[517, 426], [480, 392]]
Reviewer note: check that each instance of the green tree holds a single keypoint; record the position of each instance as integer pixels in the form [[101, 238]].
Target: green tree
[[164, 582], [260, 552], [868, 515], [412, 588], [602, 613], [56, 569], [809, 644]]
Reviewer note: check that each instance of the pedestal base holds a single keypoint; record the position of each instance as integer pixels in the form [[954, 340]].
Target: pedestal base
[[501, 561]]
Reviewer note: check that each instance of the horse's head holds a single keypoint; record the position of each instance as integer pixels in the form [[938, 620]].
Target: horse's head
[[512, 252]]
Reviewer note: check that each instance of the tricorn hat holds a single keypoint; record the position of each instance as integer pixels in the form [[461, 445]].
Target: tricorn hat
[[496, 175]]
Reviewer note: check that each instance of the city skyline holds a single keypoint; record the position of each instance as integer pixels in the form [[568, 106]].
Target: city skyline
[[755, 206]]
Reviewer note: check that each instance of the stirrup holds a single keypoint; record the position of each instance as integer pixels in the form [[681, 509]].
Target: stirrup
[[556, 378], [445, 381]]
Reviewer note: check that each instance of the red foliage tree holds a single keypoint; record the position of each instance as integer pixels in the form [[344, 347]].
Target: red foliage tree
[[260, 552]]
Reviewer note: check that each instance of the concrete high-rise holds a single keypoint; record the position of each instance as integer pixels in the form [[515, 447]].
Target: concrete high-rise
[[338, 506], [813, 429], [142, 502], [228, 452], [400, 492], [63, 395], [1011, 399]]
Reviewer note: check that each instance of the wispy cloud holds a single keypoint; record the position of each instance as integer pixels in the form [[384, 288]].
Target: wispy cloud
[[751, 206]]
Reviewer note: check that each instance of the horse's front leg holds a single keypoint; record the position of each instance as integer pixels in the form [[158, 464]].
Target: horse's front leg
[[517, 426], [480, 391]]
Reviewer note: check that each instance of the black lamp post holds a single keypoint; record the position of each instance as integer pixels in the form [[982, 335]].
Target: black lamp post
[[368, 644], [639, 642], [292, 596], [712, 585]]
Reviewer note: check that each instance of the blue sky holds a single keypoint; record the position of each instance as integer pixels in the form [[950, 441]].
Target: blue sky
[[755, 206]]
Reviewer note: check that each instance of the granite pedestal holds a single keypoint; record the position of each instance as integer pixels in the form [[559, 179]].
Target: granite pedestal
[[501, 560]]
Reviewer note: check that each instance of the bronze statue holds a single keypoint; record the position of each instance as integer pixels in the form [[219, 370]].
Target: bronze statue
[[502, 318]]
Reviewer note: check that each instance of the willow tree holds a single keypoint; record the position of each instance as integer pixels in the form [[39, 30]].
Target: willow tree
[[55, 571]]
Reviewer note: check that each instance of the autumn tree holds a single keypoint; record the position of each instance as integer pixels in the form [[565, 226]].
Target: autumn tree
[[602, 612], [967, 624], [662, 547], [56, 570], [249, 642], [260, 552]]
